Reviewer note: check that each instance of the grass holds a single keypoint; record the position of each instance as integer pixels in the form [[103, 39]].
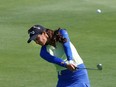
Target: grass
[[93, 35]]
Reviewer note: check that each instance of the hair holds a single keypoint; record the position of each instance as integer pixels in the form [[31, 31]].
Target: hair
[[55, 36]]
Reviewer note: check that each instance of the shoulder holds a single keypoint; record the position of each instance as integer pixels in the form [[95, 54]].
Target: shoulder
[[63, 31], [43, 51], [43, 48]]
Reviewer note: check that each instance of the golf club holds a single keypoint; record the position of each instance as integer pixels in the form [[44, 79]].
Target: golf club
[[99, 67]]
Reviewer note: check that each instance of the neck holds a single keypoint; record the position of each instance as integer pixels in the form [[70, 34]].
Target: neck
[[51, 42], [50, 39]]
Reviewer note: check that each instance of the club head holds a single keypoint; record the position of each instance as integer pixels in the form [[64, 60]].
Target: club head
[[99, 66]]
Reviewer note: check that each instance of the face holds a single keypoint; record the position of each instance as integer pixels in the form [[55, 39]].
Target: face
[[41, 39]]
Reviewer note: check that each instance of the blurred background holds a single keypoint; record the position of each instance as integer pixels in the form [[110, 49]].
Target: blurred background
[[90, 23]]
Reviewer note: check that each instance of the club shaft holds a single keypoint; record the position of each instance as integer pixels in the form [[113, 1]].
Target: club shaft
[[88, 68]]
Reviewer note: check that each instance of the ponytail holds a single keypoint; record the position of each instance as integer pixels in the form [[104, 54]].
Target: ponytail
[[55, 36]]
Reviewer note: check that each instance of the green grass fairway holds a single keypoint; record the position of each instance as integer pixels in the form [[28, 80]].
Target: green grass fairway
[[93, 34]]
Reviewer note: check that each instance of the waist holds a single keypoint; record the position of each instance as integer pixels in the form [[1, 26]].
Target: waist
[[79, 71], [78, 75]]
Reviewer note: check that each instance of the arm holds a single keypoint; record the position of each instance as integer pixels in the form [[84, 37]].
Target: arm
[[52, 59], [68, 50], [66, 45]]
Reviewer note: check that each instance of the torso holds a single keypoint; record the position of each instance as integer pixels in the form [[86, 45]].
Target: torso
[[59, 52]]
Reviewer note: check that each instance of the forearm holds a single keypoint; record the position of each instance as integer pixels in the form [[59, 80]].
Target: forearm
[[52, 59]]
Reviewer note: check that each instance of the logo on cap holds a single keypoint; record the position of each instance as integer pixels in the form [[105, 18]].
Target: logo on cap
[[32, 32]]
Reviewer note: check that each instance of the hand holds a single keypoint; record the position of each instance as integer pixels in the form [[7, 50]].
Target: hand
[[71, 67]]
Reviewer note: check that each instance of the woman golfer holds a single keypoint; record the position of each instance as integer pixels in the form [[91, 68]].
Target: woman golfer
[[57, 48]]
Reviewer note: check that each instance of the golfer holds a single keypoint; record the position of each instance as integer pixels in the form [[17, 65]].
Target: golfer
[[57, 48]]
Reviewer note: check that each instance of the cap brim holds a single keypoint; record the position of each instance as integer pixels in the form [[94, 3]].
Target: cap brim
[[32, 38]]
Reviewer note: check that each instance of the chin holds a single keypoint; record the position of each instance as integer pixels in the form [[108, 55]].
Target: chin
[[42, 44]]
